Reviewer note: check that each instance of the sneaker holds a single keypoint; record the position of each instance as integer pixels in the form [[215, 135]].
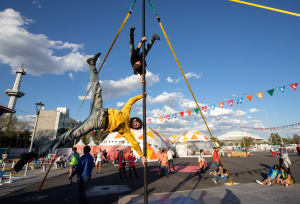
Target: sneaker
[[25, 158], [132, 29], [286, 185], [215, 181], [155, 37], [259, 182], [92, 61], [269, 184]]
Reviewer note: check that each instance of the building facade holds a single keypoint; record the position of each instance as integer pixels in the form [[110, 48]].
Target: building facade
[[51, 123]]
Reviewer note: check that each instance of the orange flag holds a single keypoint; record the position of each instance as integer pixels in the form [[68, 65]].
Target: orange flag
[[249, 97], [221, 104], [260, 95], [188, 112]]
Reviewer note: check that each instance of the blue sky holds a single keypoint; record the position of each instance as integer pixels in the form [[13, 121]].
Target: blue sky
[[227, 49]]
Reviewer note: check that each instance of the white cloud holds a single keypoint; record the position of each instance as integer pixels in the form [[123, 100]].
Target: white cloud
[[120, 104], [193, 75], [71, 75], [165, 98], [253, 110], [220, 112], [170, 80], [114, 89], [35, 51], [27, 118]]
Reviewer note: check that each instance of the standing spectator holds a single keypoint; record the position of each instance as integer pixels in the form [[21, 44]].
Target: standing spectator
[[74, 159], [216, 158], [159, 159], [117, 158], [105, 157], [201, 161], [122, 164], [131, 160], [298, 149], [99, 161], [84, 173], [164, 164], [170, 155]]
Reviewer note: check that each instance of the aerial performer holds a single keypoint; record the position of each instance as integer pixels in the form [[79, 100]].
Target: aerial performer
[[111, 120], [136, 57]]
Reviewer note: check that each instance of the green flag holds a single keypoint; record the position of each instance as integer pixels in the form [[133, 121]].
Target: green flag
[[271, 92]]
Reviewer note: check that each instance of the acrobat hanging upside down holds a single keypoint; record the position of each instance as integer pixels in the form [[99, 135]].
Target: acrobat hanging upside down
[[99, 118]]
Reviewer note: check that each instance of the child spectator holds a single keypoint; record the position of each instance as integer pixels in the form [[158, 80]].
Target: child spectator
[[221, 175], [284, 178], [272, 175], [201, 161]]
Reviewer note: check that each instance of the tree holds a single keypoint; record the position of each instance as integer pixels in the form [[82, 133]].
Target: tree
[[275, 139], [247, 142], [296, 139]]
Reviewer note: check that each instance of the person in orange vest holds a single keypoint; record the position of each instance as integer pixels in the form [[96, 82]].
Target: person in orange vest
[[201, 160], [131, 159], [164, 163], [159, 158], [216, 158]]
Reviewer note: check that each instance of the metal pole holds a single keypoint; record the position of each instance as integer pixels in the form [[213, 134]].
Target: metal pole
[[144, 113], [34, 130]]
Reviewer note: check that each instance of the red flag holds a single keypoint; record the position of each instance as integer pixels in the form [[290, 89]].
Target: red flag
[[188, 112], [168, 117], [230, 102], [181, 113], [204, 108], [294, 86], [149, 120], [221, 104], [249, 97]]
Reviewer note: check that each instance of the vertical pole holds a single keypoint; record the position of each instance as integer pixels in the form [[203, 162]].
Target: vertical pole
[[144, 113]]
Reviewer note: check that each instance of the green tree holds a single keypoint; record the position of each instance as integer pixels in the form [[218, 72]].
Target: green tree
[[247, 142], [275, 139]]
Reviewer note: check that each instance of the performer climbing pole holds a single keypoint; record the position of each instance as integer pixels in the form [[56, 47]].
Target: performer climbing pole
[[173, 52]]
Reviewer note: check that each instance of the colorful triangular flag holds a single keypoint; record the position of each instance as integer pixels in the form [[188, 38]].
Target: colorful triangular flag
[[174, 115], [168, 117], [271, 92], [249, 97], [189, 112], [204, 108], [149, 120], [239, 100], [196, 111], [213, 106], [281, 89], [260, 95], [294, 86], [161, 118], [221, 104], [182, 114], [230, 102]]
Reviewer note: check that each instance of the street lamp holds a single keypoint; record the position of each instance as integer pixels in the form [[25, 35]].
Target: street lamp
[[38, 107]]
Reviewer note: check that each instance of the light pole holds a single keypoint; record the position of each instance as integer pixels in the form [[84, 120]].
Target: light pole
[[38, 107]]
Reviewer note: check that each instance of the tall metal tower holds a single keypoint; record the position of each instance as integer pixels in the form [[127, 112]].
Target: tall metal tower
[[15, 93]]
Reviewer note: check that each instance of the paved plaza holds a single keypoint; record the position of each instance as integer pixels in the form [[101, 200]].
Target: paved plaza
[[181, 187]]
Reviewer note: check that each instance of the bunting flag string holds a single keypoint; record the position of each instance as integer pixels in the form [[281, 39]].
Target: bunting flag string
[[285, 127], [221, 104]]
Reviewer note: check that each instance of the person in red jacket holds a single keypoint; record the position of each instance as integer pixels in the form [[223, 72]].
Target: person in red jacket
[[216, 158], [122, 164], [131, 159], [164, 163]]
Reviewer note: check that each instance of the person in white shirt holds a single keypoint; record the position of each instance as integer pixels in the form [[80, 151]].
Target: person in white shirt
[[170, 155], [99, 161]]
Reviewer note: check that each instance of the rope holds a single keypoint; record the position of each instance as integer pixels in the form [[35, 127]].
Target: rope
[[115, 39], [163, 30]]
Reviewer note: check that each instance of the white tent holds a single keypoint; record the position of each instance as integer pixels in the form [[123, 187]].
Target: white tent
[[238, 136], [116, 141]]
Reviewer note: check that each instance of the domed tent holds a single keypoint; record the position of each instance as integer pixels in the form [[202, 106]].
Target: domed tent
[[191, 142], [80, 145], [237, 137], [114, 141]]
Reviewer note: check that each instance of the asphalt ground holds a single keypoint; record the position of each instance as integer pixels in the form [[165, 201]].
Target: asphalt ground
[[58, 189]]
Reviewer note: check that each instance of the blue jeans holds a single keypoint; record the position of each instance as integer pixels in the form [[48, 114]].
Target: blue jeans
[[82, 186], [166, 169], [219, 178], [216, 164]]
